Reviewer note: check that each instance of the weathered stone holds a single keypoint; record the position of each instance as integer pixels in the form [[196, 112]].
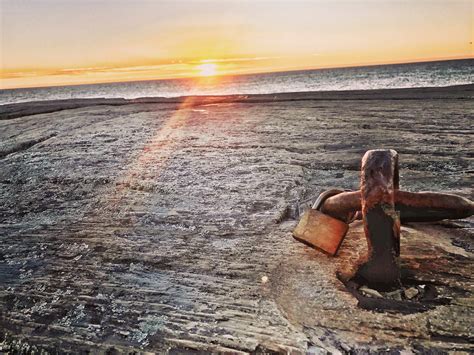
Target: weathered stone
[[370, 292], [410, 292], [394, 295], [104, 185]]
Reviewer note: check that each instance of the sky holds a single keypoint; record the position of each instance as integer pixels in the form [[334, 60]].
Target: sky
[[60, 42]]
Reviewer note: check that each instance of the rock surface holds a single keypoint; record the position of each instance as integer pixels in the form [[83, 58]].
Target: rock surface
[[166, 225]]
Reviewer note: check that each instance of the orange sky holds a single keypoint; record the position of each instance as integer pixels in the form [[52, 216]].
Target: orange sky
[[58, 42]]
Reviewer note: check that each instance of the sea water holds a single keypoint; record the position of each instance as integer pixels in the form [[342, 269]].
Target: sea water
[[427, 74]]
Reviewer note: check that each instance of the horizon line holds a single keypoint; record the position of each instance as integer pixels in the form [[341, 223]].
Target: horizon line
[[358, 65]]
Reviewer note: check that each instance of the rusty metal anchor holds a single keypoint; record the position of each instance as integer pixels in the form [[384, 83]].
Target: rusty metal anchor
[[383, 207]]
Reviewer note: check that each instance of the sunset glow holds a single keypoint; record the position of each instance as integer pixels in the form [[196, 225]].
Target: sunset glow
[[207, 69], [55, 42]]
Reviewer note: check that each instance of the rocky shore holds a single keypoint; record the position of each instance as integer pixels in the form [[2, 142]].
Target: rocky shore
[[165, 224]]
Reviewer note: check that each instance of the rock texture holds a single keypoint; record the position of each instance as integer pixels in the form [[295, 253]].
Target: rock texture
[[166, 225]]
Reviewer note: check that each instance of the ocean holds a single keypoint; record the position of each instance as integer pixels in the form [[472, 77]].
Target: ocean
[[427, 74]]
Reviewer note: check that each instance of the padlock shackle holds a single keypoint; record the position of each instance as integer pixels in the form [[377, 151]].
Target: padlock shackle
[[413, 206]]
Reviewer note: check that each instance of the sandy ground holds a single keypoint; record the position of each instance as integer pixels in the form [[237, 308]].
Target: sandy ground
[[165, 224]]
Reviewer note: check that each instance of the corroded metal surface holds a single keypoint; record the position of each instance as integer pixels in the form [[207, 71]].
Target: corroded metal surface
[[379, 180], [431, 206], [383, 207], [413, 206]]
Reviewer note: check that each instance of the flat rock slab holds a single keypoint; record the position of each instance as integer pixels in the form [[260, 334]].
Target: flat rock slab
[[166, 226]]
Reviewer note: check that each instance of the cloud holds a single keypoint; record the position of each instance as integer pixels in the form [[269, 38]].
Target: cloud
[[243, 59]]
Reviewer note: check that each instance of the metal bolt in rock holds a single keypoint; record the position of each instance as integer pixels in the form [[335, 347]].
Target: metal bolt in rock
[[379, 180], [383, 208]]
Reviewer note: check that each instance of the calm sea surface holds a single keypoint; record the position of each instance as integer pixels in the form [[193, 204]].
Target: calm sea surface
[[443, 73]]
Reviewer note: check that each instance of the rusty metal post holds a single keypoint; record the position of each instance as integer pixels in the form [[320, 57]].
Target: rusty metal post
[[379, 180], [383, 208]]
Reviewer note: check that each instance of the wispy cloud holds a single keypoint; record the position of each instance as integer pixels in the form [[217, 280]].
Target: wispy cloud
[[175, 67], [244, 59]]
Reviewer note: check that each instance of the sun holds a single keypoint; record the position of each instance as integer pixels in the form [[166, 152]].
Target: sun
[[207, 69]]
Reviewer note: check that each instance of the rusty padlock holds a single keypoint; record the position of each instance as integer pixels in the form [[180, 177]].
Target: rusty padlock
[[320, 230]]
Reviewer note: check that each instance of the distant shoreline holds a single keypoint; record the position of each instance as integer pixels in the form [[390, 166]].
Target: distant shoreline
[[461, 92]]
